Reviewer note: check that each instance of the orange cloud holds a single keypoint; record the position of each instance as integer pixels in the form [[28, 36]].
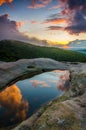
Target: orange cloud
[[55, 21], [11, 99], [65, 46], [5, 1], [19, 24]]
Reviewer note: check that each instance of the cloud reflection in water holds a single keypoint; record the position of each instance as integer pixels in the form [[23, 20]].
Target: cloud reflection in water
[[15, 108], [35, 83]]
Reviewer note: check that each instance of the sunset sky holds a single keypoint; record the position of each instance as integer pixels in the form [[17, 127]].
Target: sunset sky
[[43, 21]]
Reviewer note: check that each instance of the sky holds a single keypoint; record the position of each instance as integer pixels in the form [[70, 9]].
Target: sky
[[43, 21]]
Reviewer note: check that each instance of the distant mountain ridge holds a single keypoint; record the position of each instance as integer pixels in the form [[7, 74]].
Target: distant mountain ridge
[[14, 50], [78, 44]]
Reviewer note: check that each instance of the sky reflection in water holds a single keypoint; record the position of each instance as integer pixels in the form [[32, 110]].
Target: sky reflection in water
[[23, 98]]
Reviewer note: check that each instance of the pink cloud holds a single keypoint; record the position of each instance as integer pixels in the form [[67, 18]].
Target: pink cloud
[[19, 24], [55, 7], [75, 10], [35, 83], [63, 83], [45, 2], [41, 4], [33, 22]]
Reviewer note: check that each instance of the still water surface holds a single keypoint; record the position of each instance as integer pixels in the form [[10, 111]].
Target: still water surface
[[22, 99]]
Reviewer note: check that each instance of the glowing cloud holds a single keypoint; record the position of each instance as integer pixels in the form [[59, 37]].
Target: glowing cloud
[[19, 24], [5, 1], [55, 21], [11, 99]]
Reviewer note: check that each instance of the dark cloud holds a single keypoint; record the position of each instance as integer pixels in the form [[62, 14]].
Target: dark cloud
[[55, 16], [77, 4], [73, 13], [55, 28], [75, 10], [78, 24]]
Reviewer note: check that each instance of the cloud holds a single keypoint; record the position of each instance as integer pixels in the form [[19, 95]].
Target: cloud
[[11, 99], [55, 21], [10, 29], [55, 7], [5, 1], [45, 2], [39, 4], [74, 4], [75, 10], [78, 24], [72, 15], [56, 18], [36, 6], [39, 42], [33, 22], [55, 28], [19, 24], [36, 83]]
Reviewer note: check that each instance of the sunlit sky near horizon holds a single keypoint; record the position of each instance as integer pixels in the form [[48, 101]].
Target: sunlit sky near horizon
[[48, 21]]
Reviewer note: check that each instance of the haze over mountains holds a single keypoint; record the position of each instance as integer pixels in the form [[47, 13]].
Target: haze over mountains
[[77, 45]]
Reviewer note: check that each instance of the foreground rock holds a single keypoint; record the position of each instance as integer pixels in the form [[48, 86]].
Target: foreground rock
[[10, 72], [68, 112]]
